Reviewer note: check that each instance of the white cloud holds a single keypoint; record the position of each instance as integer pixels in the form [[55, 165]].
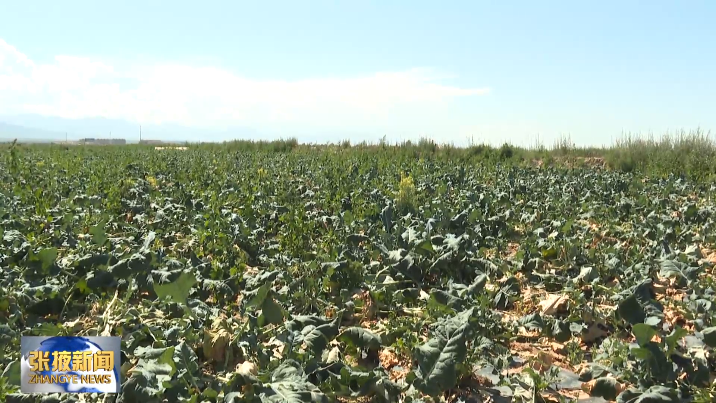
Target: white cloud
[[78, 87]]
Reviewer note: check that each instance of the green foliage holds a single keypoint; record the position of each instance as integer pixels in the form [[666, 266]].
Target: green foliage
[[439, 357], [9, 379], [360, 338], [606, 387], [266, 272], [406, 193], [710, 336], [177, 290], [684, 154], [506, 152]]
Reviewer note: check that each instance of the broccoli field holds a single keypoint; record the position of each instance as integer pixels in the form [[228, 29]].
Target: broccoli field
[[359, 275]]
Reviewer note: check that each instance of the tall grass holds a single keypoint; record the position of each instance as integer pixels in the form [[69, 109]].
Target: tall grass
[[691, 154]]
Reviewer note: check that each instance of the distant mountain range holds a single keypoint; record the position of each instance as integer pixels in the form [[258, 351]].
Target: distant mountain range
[[27, 134], [37, 128]]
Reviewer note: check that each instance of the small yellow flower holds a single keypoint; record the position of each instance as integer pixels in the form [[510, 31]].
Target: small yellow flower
[[406, 191]]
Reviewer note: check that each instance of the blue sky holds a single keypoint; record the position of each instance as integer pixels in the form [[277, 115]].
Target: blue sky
[[324, 71]]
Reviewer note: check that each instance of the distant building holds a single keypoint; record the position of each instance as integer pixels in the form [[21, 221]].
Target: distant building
[[91, 140], [172, 148], [66, 143]]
